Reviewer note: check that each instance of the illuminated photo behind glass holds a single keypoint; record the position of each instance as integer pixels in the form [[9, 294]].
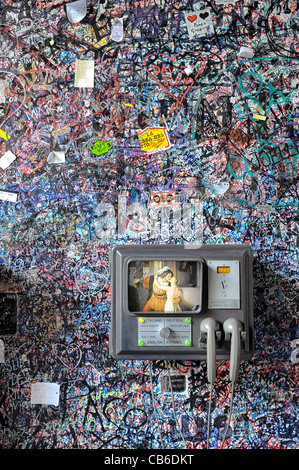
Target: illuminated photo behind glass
[[164, 286]]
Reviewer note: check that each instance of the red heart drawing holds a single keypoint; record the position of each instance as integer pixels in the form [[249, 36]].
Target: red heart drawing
[[192, 18], [174, 79]]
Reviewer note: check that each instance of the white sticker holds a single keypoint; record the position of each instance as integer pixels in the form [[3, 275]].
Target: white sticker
[[246, 52], [45, 393], [117, 30], [199, 23], [76, 11], [7, 159]]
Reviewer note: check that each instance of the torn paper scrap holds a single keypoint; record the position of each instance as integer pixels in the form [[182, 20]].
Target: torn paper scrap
[[76, 11], [56, 157], [84, 73], [45, 393], [7, 159], [11, 196], [246, 52], [2, 357], [117, 30], [188, 70], [153, 139]]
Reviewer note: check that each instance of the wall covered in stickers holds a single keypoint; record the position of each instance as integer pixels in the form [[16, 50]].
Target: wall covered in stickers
[[106, 108]]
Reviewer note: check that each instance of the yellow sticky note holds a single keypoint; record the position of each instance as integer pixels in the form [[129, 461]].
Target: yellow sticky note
[[153, 139], [260, 110], [261, 118]]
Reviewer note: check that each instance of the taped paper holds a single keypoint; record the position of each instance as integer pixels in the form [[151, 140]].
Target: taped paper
[[76, 11], [246, 52], [7, 159], [45, 393], [84, 73], [117, 30], [199, 23], [11, 196], [2, 358], [56, 157]]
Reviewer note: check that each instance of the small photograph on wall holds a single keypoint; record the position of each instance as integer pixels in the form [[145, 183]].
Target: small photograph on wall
[[164, 286]]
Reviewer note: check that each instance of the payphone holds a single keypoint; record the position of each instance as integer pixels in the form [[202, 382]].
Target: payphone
[[174, 303]]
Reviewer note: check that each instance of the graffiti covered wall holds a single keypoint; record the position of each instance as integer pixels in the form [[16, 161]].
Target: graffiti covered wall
[[105, 112]]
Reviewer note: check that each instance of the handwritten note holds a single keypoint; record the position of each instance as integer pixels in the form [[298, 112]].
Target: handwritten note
[[199, 23], [45, 393], [84, 73]]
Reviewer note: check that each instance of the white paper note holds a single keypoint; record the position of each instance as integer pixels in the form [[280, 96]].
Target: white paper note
[[76, 11], [117, 30], [84, 73], [7, 159], [45, 393], [56, 157], [11, 196], [2, 360], [199, 23], [246, 52]]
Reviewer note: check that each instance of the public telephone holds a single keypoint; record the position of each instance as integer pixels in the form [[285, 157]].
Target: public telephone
[[172, 302]]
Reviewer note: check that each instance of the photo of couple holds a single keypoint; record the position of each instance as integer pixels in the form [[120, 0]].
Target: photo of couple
[[156, 288]]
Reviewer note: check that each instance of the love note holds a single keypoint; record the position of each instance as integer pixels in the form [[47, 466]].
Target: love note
[[199, 23]]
